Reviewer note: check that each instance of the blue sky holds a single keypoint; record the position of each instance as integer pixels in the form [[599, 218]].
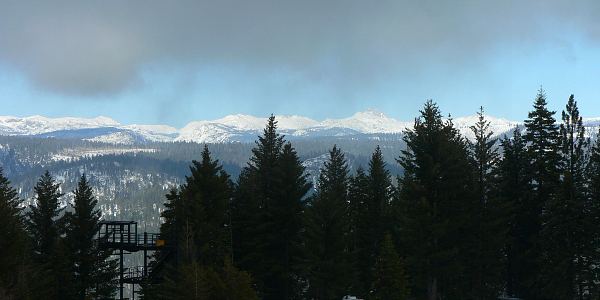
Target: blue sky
[[311, 60]]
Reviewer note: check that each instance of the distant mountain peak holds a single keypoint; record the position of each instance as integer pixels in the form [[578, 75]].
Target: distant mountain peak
[[371, 112]]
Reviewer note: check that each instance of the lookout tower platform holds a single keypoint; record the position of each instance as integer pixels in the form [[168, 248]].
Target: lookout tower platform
[[122, 237]]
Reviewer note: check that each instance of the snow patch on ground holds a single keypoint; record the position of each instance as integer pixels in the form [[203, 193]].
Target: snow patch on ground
[[79, 153]]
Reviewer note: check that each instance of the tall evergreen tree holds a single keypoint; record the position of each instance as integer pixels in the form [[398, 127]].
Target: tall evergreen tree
[[171, 228], [45, 227], [329, 264], [254, 193], [435, 189], [197, 225], [514, 190], [206, 195], [390, 282], [373, 220], [485, 156], [542, 137], [284, 237], [94, 272], [267, 220], [197, 215], [358, 192], [14, 258], [43, 218], [247, 215], [487, 232], [563, 234], [592, 250], [172, 260]]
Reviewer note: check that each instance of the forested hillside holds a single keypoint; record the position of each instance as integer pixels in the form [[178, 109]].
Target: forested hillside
[[131, 180]]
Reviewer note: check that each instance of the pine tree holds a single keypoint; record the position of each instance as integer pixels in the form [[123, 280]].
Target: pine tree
[[592, 251], [390, 282], [206, 195], [197, 216], [381, 191], [327, 228], [267, 219], [94, 272], [197, 226], [45, 228], [253, 195], [358, 192], [284, 236], [168, 262], [373, 221], [487, 233], [14, 259], [485, 157], [542, 137], [170, 232], [435, 188], [247, 215], [563, 235], [43, 218], [514, 191]]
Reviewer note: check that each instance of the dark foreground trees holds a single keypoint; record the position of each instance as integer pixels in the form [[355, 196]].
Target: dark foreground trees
[[46, 253], [198, 223], [15, 267], [436, 199], [268, 217], [389, 278], [46, 226], [67, 261], [329, 263], [467, 219], [93, 272]]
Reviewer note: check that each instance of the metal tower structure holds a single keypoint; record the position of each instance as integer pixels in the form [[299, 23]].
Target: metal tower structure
[[122, 237]]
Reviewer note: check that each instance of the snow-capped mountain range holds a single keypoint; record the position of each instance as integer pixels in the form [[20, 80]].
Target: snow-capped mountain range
[[232, 128]]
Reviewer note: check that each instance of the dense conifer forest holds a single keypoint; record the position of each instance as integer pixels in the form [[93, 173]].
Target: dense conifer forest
[[515, 216]]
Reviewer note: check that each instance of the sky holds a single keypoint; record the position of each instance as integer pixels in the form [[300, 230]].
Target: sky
[[172, 62]]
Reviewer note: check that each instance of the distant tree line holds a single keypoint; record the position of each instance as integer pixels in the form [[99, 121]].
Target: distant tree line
[[511, 217]]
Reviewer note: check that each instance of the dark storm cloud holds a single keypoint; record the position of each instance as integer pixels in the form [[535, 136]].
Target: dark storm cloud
[[99, 47]]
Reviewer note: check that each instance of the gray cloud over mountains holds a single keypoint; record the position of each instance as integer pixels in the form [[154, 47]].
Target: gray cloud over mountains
[[100, 47]]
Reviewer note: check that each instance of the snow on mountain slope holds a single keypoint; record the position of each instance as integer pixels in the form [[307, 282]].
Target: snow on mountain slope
[[370, 121], [120, 137], [209, 132], [294, 122], [39, 124], [156, 129], [498, 126], [233, 128], [100, 129], [239, 121], [247, 122], [154, 133], [241, 128]]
